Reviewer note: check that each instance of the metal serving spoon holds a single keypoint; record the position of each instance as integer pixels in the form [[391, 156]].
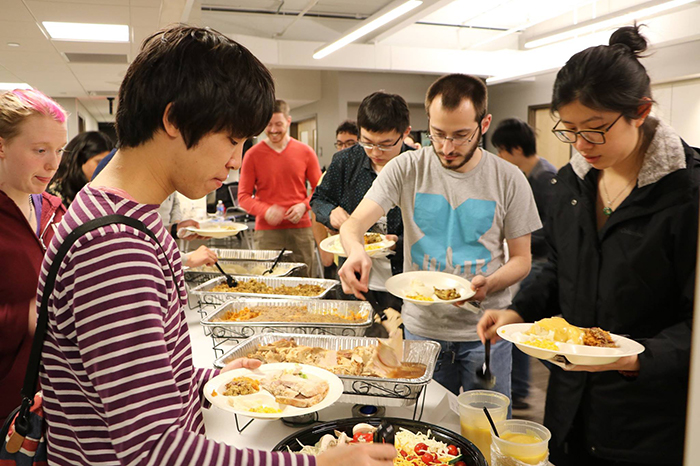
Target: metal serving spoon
[[483, 374]]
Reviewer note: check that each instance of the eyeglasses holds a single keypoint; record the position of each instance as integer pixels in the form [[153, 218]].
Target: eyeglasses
[[594, 136], [344, 145], [458, 141], [381, 147]]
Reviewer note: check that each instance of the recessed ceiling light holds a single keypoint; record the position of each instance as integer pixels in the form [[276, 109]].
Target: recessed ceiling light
[[87, 32], [13, 44], [13, 86]]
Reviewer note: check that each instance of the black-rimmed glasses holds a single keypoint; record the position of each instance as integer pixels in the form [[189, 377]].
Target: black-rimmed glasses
[[381, 147], [593, 136]]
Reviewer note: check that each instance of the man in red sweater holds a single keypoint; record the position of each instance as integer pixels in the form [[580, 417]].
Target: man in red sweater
[[277, 170]]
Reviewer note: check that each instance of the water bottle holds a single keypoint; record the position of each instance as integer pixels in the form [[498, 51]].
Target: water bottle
[[220, 211]]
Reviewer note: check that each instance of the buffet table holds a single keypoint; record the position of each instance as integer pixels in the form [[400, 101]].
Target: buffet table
[[221, 425]]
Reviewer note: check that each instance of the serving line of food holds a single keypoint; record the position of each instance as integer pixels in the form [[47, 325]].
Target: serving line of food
[[317, 360]]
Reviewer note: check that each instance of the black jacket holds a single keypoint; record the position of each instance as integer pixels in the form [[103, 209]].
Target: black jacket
[[634, 277]]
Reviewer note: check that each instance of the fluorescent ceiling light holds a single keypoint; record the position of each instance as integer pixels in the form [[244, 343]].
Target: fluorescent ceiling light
[[624, 18], [367, 28], [87, 32], [529, 24], [13, 86]]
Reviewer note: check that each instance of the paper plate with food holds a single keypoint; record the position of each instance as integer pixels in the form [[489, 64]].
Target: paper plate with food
[[555, 339], [274, 390], [426, 288], [218, 229], [375, 243]]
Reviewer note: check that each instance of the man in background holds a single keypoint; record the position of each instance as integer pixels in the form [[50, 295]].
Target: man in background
[[273, 188], [516, 143], [346, 135]]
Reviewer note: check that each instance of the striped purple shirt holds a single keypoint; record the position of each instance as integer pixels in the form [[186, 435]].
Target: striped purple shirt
[[117, 375]]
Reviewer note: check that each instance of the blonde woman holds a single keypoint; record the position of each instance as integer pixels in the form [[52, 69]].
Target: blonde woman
[[32, 137]]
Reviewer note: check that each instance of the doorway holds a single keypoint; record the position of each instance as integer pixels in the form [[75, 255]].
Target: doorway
[[548, 146], [305, 131]]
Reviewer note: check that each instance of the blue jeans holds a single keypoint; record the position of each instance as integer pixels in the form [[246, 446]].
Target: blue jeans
[[459, 360]]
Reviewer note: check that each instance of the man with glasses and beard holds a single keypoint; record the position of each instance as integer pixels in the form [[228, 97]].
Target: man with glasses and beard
[[458, 203]]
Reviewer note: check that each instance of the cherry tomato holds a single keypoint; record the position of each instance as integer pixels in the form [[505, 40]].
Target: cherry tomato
[[403, 453], [452, 450], [460, 463], [363, 438], [420, 448], [428, 458]]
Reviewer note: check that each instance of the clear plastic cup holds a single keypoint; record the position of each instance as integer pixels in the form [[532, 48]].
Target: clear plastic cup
[[475, 425], [521, 442]]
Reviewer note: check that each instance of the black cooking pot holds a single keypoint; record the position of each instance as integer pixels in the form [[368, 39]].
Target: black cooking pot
[[309, 436]]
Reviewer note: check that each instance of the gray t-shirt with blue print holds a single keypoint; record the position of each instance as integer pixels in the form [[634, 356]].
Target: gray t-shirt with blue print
[[455, 223]]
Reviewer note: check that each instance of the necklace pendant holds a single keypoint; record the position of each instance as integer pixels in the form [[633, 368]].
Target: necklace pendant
[[607, 211]]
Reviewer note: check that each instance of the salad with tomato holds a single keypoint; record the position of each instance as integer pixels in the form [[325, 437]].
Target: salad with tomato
[[414, 449]]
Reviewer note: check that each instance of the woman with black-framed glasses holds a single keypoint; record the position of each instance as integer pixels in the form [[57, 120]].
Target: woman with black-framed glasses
[[623, 233]]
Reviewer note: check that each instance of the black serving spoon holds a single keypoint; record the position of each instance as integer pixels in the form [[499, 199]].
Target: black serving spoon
[[483, 374], [230, 281], [385, 433], [274, 264]]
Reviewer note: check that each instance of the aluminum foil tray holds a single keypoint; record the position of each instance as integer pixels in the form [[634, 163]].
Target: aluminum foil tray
[[357, 389], [198, 276], [249, 254], [242, 330], [204, 289]]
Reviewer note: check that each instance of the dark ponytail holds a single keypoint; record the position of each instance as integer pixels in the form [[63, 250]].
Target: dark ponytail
[[607, 77]]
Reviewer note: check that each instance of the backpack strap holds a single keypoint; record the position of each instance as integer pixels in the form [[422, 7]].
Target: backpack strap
[[32, 375]]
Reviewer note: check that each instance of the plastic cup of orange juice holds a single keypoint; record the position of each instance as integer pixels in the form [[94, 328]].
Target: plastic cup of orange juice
[[520, 442], [475, 425]]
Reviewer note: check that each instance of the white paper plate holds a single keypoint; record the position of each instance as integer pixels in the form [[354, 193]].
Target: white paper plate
[[401, 286], [243, 403], [575, 354], [333, 245], [215, 231]]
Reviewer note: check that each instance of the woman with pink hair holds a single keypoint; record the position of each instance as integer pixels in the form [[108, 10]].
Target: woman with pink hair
[[32, 136]]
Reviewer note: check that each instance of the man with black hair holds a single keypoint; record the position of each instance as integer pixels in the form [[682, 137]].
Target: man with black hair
[[459, 205], [277, 170], [383, 120], [119, 385], [516, 143], [346, 135]]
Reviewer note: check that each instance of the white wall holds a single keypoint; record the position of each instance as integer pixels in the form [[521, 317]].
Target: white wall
[[512, 100], [341, 93], [418, 117], [75, 108], [678, 102], [679, 106]]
